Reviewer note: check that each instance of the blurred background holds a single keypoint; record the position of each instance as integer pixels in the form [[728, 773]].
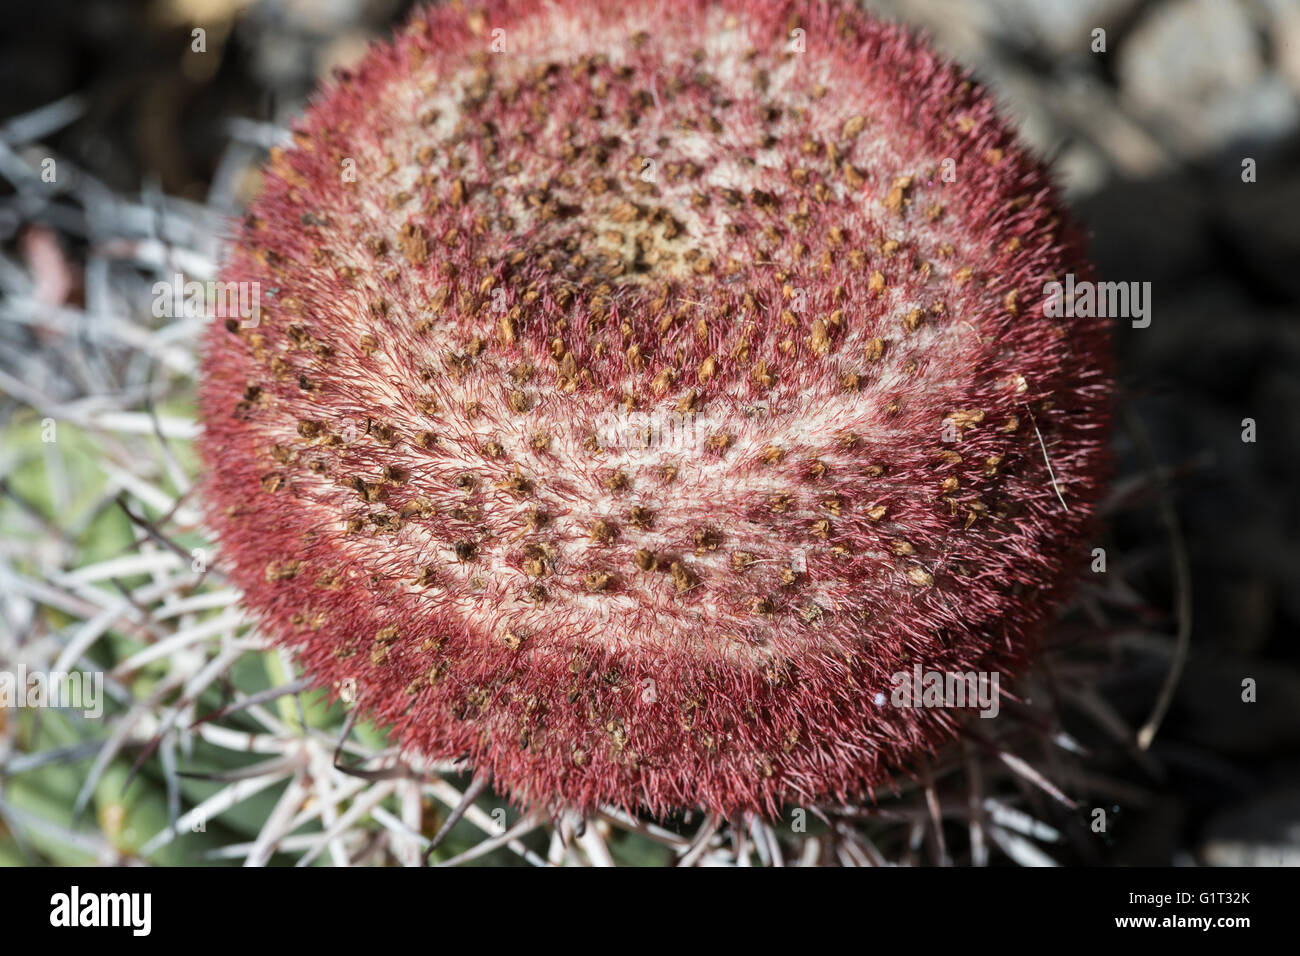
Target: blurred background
[[1175, 134]]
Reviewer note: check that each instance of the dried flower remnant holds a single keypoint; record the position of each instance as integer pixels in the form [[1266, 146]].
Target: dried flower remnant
[[562, 211]]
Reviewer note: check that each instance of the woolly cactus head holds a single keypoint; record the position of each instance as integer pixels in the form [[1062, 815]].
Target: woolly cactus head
[[638, 389]]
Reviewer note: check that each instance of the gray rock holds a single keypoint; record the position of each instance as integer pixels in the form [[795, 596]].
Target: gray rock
[[1282, 22], [1062, 26], [1198, 69], [1261, 832]]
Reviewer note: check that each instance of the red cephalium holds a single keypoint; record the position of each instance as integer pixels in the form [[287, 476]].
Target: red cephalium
[[638, 387]]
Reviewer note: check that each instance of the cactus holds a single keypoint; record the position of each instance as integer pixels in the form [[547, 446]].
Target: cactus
[[636, 391], [626, 411]]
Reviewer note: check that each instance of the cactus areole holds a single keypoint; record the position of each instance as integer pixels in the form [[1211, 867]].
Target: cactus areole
[[638, 388]]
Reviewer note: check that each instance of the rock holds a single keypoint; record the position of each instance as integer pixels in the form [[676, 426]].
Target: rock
[[1198, 68], [1062, 26], [1283, 26], [1264, 831]]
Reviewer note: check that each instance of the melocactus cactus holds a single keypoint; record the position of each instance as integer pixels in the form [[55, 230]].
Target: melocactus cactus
[[639, 387]]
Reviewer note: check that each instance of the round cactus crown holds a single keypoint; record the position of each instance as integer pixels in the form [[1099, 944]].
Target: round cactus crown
[[637, 389]]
